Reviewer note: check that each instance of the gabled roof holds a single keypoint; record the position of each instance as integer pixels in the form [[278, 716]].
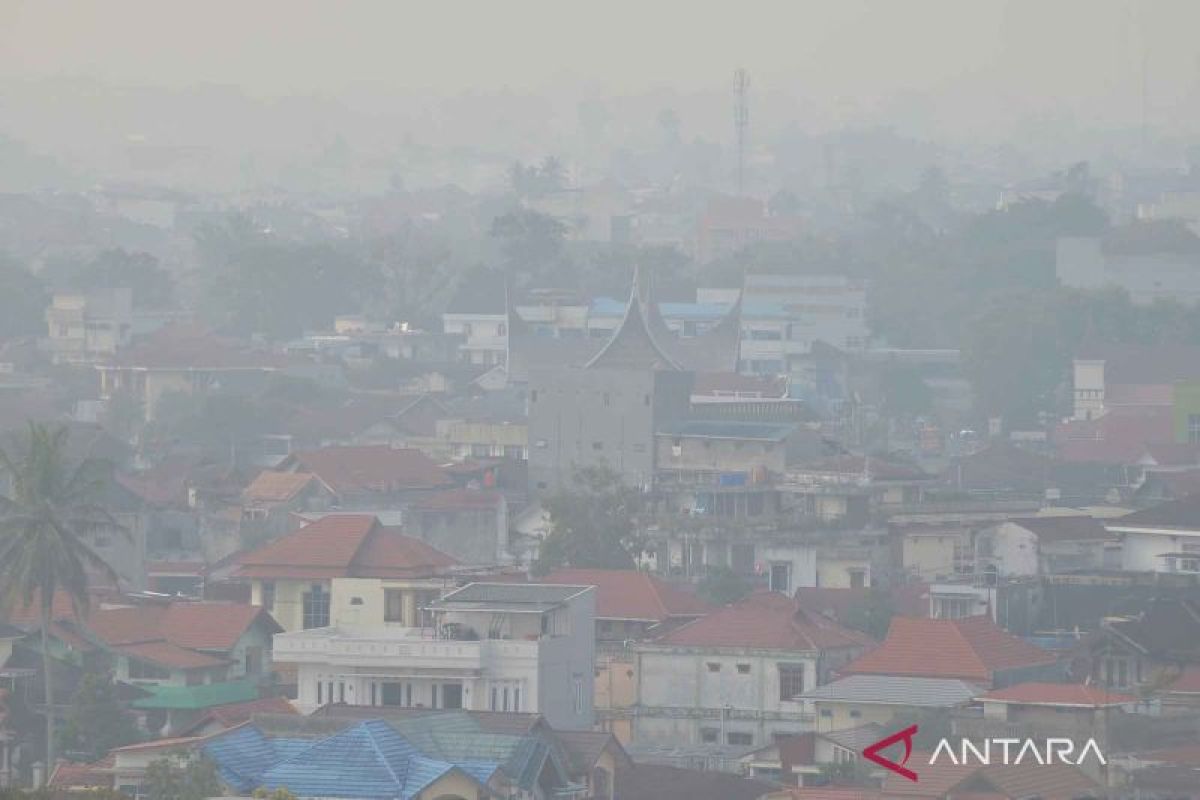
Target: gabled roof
[[1182, 514], [1065, 529], [181, 634], [767, 621], [276, 487], [1169, 628], [1073, 695], [234, 714], [774, 432], [369, 468], [343, 545], [1022, 781], [626, 594], [172, 656], [655, 782], [971, 649]]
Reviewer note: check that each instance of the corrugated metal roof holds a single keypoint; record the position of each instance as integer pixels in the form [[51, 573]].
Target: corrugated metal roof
[[885, 689], [515, 596], [721, 429]]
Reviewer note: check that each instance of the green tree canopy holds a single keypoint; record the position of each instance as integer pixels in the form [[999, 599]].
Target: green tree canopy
[[97, 721], [592, 523]]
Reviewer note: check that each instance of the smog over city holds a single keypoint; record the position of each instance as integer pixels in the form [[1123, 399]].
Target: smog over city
[[627, 401]]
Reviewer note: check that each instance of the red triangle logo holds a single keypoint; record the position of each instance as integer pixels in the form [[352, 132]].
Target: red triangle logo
[[871, 753]]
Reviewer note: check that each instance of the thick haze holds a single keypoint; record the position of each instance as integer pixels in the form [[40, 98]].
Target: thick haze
[[1084, 55]]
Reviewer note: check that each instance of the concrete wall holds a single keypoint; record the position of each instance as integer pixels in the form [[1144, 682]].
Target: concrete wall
[[470, 535], [840, 716]]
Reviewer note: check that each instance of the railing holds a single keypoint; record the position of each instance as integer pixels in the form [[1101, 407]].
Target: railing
[[409, 650]]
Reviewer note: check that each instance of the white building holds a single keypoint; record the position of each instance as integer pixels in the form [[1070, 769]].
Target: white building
[[490, 647], [1163, 538], [730, 679], [82, 328]]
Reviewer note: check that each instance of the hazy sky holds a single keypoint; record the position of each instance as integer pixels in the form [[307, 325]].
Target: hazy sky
[[968, 57]]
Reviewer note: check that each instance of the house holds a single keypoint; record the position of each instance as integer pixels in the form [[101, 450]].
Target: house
[[221, 718], [184, 359], [84, 328], [785, 316], [1155, 649], [1163, 538], [857, 700], [369, 475], [272, 497], [848, 488], [1129, 377], [293, 577], [730, 678], [478, 312], [485, 646], [996, 781], [1048, 545], [469, 524], [973, 649], [662, 782], [1075, 710]]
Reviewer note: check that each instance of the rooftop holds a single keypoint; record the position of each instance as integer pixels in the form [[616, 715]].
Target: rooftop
[[721, 429], [631, 594], [768, 621], [1074, 695], [971, 649], [369, 468], [898, 691], [1182, 514], [531, 598]]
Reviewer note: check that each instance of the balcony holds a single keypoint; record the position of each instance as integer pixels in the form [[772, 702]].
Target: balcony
[[411, 648]]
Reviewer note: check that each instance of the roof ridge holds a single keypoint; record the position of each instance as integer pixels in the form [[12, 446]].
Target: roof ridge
[[370, 731], [957, 625]]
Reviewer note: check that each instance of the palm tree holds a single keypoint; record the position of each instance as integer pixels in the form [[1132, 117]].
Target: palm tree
[[44, 526]]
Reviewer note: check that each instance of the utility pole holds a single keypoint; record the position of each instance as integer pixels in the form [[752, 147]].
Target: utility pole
[[741, 122]]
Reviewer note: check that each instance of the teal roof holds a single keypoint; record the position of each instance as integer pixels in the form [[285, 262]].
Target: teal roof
[[193, 698]]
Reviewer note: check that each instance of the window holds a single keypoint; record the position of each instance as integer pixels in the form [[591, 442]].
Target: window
[[743, 669], [597, 445], [145, 671], [268, 595], [577, 686], [709, 735], [374, 693], [341, 691], [393, 605], [826, 713], [713, 666], [316, 607], [254, 660], [533, 396], [393, 694], [452, 695], [607, 399], [791, 680], [517, 698], [320, 693], [858, 579], [356, 601], [1193, 428], [739, 738], [855, 713]]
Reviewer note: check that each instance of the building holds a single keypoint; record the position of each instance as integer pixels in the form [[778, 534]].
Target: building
[[478, 313], [730, 679], [973, 649], [1048, 545], [369, 475], [293, 577], [187, 360], [1147, 274], [85, 328], [856, 700], [1163, 538], [802, 760], [469, 524], [1074, 710], [1157, 649], [784, 316], [487, 646], [1130, 377]]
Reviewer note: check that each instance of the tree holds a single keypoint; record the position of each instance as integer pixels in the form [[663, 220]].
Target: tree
[[181, 777], [905, 393], [531, 243], [23, 300], [44, 528], [592, 523], [721, 586], [97, 721], [113, 269], [872, 616]]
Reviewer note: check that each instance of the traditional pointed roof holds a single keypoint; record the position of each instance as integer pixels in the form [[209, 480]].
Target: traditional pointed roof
[[636, 342], [716, 350]]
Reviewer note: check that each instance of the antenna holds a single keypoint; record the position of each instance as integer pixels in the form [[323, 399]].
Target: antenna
[[741, 122]]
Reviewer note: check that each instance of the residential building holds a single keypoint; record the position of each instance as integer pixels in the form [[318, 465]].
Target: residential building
[[857, 700], [1075, 710], [1163, 538], [469, 524], [85, 328], [369, 475], [784, 316], [272, 497], [973, 649], [479, 314], [1156, 649], [730, 679], [802, 760], [1130, 377], [187, 360], [293, 576], [1147, 274], [487, 646], [1047, 545]]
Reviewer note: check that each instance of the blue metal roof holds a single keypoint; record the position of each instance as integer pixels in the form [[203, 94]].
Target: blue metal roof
[[367, 761]]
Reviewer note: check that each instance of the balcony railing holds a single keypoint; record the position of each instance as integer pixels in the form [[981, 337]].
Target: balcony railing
[[410, 647]]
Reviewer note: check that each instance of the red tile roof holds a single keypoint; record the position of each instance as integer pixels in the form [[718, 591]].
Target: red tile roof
[[631, 594], [908, 599], [343, 545], [372, 468], [1188, 681], [1058, 694], [234, 714], [971, 649], [1008, 781], [170, 655], [212, 626], [180, 347], [765, 620], [276, 487], [98, 774], [459, 500], [1118, 437]]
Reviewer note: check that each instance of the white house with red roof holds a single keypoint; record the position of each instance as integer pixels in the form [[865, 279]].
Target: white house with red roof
[[728, 680]]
